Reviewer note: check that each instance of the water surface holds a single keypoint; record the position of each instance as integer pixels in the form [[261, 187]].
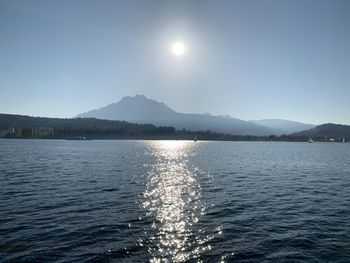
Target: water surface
[[174, 201]]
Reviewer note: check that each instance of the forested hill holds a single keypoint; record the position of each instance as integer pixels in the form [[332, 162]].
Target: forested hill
[[9, 121], [81, 127], [326, 130]]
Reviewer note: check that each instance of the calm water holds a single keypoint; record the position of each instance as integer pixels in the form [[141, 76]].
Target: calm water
[[174, 201]]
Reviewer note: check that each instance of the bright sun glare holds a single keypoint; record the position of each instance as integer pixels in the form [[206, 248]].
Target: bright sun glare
[[178, 48]]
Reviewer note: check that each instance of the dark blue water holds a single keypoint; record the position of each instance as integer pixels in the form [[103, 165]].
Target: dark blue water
[[173, 201]]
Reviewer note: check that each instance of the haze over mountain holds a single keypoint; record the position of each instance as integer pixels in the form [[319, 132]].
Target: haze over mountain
[[140, 109]]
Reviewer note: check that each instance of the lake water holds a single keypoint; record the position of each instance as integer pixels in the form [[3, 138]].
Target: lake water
[[174, 201]]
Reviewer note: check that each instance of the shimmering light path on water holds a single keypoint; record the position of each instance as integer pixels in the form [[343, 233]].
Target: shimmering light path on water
[[174, 201]]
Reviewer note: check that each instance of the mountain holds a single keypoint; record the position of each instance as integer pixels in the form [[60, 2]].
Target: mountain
[[140, 109], [283, 126], [328, 130]]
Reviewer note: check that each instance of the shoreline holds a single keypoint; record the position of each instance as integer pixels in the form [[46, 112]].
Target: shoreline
[[169, 139]]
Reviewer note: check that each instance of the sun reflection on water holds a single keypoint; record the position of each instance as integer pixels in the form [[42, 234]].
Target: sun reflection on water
[[172, 200]]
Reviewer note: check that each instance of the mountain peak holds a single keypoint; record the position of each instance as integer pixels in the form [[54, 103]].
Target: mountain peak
[[145, 104], [136, 97], [138, 108]]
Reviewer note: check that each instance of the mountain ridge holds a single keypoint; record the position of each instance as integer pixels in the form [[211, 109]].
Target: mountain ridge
[[140, 109], [282, 126]]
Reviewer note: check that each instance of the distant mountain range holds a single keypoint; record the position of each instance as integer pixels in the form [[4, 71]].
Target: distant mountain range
[[140, 109]]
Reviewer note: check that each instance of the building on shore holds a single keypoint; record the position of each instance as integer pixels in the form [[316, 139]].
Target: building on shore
[[24, 132]]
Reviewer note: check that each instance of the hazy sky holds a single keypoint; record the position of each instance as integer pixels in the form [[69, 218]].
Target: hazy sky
[[250, 59]]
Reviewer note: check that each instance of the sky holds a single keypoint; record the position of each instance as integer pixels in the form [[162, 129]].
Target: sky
[[251, 59]]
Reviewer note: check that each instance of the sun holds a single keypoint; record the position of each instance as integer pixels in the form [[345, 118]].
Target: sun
[[178, 48]]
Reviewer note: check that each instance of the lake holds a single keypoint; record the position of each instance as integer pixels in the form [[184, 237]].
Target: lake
[[174, 201]]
